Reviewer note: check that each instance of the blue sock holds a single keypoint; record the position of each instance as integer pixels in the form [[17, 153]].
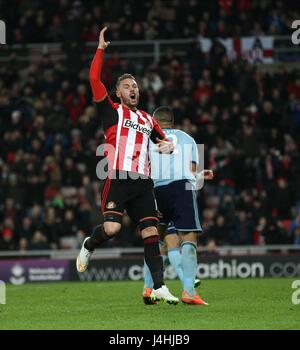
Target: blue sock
[[148, 281], [174, 256], [189, 266]]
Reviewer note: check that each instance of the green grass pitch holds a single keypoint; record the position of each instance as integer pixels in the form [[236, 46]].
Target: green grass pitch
[[234, 304]]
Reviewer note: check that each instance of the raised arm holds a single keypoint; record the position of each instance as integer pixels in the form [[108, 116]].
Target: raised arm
[[99, 90]]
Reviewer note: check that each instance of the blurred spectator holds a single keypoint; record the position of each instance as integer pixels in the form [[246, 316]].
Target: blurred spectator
[[152, 81], [69, 230], [274, 234], [259, 238], [23, 245], [243, 229], [38, 242], [295, 230], [282, 199], [50, 227], [297, 236], [211, 249], [7, 235], [219, 232], [26, 229]]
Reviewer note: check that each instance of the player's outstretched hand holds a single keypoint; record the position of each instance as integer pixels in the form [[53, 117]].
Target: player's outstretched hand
[[208, 174], [165, 147], [102, 43]]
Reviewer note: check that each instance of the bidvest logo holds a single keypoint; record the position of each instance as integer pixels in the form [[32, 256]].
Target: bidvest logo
[[127, 123], [2, 33]]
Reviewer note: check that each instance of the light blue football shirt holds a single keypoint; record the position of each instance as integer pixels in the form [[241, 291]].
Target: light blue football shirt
[[166, 168]]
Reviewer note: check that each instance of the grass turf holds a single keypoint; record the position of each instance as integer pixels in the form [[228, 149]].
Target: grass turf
[[234, 304]]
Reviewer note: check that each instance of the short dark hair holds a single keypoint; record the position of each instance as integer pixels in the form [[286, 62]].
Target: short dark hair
[[164, 114], [123, 77]]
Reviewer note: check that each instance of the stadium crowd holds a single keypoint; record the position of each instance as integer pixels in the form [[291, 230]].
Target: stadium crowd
[[65, 20], [248, 120]]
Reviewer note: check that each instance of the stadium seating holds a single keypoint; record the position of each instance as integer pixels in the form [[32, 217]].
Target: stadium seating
[[247, 117]]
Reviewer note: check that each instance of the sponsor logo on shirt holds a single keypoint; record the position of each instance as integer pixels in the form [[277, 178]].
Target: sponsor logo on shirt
[[136, 126]]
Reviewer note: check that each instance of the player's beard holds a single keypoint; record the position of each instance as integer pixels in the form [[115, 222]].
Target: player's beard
[[130, 103]]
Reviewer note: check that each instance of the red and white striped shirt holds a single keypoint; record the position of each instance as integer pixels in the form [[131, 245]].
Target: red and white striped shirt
[[127, 141], [127, 132]]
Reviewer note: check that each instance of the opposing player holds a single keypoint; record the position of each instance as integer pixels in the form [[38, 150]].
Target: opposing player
[[128, 186], [174, 182]]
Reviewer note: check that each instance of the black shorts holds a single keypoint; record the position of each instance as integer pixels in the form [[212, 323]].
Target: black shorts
[[133, 195]]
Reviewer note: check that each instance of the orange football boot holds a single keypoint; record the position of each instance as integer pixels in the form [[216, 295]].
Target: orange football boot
[[192, 299], [146, 297]]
